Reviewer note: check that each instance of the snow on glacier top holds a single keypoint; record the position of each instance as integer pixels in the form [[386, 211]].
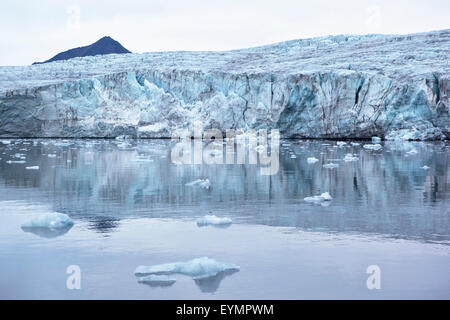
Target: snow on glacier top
[[403, 57]]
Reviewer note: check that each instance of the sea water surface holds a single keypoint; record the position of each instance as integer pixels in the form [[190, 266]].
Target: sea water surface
[[131, 206]]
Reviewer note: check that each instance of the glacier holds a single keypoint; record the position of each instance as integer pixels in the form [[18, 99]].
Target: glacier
[[347, 86]]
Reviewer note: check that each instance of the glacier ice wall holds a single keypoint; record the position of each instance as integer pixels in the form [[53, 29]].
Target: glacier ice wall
[[395, 87]]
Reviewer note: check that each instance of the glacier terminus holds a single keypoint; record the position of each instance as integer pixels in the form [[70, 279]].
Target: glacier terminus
[[390, 86]]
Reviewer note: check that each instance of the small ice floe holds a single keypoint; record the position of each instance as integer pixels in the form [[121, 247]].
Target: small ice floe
[[49, 225], [354, 144], [312, 160], [213, 220], [341, 143], [425, 167], [51, 155], [202, 183], [318, 199], [376, 139], [349, 158], [260, 148], [293, 156], [32, 168], [376, 146], [157, 280], [200, 268], [412, 151], [15, 161], [330, 165]]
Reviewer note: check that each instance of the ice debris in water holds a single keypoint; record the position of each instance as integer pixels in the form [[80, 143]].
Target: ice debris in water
[[312, 160], [317, 199], [355, 144], [202, 183], [5, 141], [293, 156], [200, 268], [376, 146], [341, 143], [32, 168], [349, 157], [425, 167], [52, 220], [15, 161], [213, 220], [331, 165], [157, 280], [376, 140], [412, 151], [51, 155]]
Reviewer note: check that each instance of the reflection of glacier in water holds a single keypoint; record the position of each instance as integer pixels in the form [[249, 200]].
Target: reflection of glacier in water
[[131, 205], [386, 191]]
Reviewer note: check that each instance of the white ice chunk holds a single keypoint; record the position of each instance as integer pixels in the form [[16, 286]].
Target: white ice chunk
[[52, 220], [355, 144], [425, 167], [5, 141], [412, 151], [349, 157], [331, 165], [341, 143], [51, 155], [202, 183], [213, 220], [293, 156], [32, 168], [312, 160], [376, 139], [15, 161], [199, 268], [376, 146], [317, 199]]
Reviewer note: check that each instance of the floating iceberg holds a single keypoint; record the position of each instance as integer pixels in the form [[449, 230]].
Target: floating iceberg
[[5, 141], [376, 146], [200, 268], [202, 183], [317, 199], [425, 167], [51, 155], [49, 225], [331, 165], [15, 161], [349, 157], [341, 143], [32, 168], [312, 160], [213, 220], [53, 220]]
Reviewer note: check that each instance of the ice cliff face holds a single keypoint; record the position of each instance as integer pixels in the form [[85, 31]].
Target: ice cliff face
[[335, 87]]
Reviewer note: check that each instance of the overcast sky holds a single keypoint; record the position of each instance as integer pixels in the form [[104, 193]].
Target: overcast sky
[[36, 30]]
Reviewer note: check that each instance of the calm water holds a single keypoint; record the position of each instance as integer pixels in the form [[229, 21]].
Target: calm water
[[131, 207]]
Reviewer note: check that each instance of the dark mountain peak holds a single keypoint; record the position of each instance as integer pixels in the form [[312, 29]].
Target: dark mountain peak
[[105, 45]]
